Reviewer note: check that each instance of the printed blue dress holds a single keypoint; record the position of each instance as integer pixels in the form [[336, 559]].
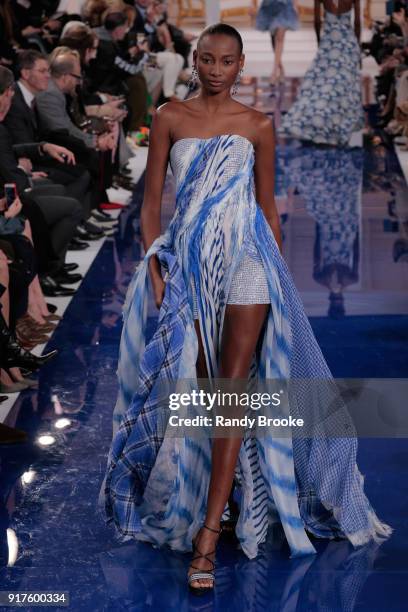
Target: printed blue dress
[[156, 485], [274, 14], [328, 108]]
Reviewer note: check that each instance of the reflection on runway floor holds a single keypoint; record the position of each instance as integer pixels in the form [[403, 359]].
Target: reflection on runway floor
[[344, 215]]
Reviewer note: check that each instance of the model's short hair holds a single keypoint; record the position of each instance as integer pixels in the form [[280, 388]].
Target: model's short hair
[[6, 79], [222, 28], [28, 57]]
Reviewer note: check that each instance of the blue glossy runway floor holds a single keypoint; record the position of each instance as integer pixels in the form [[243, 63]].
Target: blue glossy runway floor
[[344, 215]]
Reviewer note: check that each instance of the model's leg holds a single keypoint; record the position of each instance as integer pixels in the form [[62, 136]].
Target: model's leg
[[242, 328], [279, 38]]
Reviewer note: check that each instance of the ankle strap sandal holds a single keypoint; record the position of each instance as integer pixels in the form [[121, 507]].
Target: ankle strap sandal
[[201, 574]]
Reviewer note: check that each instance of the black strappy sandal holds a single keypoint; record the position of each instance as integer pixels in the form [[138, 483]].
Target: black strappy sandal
[[201, 574]]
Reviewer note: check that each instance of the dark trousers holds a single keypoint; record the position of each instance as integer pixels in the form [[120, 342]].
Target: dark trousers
[[61, 213]]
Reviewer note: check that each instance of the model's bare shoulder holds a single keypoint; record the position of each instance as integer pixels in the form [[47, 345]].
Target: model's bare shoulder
[[169, 111], [172, 114], [263, 127]]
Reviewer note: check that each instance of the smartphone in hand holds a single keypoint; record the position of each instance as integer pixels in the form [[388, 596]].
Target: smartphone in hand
[[10, 193]]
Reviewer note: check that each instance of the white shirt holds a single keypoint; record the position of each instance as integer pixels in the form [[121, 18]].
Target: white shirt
[[27, 95]]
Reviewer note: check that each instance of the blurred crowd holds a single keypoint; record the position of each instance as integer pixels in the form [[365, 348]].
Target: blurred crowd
[[389, 47], [79, 84]]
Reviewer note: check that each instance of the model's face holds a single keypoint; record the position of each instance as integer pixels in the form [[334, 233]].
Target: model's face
[[5, 101], [218, 61], [38, 76]]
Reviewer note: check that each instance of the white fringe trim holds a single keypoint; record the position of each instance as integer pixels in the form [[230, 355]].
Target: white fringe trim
[[379, 532]]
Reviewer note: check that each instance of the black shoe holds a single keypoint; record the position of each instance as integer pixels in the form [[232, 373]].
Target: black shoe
[[98, 218], [123, 182], [70, 267], [102, 214], [92, 228], [82, 234], [77, 245], [12, 354], [67, 278], [51, 288]]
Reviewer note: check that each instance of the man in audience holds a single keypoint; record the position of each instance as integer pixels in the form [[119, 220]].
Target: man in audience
[[62, 214], [168, 63], [22, 124], [57, 124], [119, 69], [52, 104]]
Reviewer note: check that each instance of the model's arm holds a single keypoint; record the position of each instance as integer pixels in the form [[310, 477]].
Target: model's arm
[[317, 20], [150, 216], [357, 20], [265, 176]]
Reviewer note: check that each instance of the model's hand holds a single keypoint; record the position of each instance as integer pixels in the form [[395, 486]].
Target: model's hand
[[61, 154], [14, 209], [159, 287]]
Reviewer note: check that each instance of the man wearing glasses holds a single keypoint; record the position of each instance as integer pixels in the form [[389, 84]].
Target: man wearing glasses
[[51, 104]]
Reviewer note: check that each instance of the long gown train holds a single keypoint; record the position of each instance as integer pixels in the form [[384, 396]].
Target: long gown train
[[156, 486]]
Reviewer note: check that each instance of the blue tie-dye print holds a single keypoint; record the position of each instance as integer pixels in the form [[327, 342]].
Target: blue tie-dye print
[[156, 487]]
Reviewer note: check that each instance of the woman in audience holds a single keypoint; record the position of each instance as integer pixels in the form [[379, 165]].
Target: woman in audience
[[98, 105]]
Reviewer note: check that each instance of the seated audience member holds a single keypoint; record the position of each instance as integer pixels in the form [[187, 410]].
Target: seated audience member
[[93, 12], [118, 69], [96, 105], [389, 46], [21, 121], [8, 53], [163, 35], [62, 214], [168, 63], [57, 124], [52, 104], [13, 355]]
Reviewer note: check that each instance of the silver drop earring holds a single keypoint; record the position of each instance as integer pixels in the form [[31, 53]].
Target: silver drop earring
[[237, 82], [193, 78]]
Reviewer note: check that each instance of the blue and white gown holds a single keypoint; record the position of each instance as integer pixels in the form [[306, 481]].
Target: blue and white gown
[[156, 487], [328, 108]]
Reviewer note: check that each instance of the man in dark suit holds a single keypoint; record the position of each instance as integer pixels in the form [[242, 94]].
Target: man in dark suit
[[22, 123], [62, 214]]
